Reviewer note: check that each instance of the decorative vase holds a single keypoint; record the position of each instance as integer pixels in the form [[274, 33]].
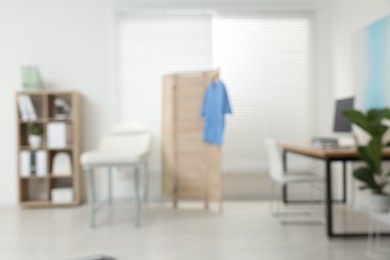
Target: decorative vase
[[31, 78], [380, 203], [35, 141]]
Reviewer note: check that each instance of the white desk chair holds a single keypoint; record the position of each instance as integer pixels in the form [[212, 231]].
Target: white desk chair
[[278, 175], [125, 146]]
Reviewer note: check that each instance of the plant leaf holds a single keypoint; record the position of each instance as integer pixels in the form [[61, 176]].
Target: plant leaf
[[377, 115], [374, 150], [364, 154], [377, 129], [366, 175], [371, 122], [357, 118]]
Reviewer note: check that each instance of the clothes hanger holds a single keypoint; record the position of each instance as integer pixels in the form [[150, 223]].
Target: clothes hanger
[[215, 75]]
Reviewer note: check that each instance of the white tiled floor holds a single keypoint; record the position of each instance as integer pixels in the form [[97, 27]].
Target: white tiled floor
[[245, 230]]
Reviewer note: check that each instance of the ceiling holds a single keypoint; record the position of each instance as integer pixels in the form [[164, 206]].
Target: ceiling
[[228, 4]]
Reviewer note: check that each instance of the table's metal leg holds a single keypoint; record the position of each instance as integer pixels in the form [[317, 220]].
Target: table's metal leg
[[146, 183], [344, 200], [328, 198], [136, 197], [284, 188], [109, 172], [91, 196]]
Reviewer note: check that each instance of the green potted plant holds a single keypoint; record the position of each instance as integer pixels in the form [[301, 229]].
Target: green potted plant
[[372, 174], [35, 135]]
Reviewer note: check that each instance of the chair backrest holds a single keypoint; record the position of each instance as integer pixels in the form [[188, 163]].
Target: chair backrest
[[127, 138], [275, 163], [128, 128]]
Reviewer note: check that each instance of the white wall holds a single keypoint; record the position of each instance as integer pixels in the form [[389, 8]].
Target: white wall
[[70, 42], [322, 74], [348, 18]]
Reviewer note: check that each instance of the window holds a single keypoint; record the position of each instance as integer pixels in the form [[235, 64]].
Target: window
[[264, 63], [150, 47]]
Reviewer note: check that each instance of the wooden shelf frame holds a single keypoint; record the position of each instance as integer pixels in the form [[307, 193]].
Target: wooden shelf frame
[[49, 181]]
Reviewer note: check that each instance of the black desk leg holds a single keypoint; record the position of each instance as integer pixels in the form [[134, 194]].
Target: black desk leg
[[329, 213], [284, 188], [344, 182], [329, 206]]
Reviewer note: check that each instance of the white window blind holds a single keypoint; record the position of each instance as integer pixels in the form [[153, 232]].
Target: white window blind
[[148, 48], [265, 65]]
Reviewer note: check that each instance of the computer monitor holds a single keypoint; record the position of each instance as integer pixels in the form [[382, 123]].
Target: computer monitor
[[342, 124]]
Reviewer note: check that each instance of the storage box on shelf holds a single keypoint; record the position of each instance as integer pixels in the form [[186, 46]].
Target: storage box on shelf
[[49, 173]]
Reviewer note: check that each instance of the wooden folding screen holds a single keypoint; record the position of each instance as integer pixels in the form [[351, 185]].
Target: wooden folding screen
[[191, 168]]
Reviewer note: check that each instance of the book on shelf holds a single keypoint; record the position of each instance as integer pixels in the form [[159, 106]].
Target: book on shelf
[[41, 163], [33, 163], [58, 135], [25, 164], [26, 108]]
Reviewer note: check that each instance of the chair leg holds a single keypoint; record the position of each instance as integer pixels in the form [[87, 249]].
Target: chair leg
[[274, 204], [283, 215], [146, 183], [91, 196], [109, 172], [311, 197], [272, 199], [276, 207], [136, 197]]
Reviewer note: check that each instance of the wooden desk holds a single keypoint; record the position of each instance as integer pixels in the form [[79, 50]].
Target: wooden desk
[[328, 156]]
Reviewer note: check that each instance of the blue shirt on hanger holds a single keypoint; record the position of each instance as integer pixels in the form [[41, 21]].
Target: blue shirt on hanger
[[215, 105]]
